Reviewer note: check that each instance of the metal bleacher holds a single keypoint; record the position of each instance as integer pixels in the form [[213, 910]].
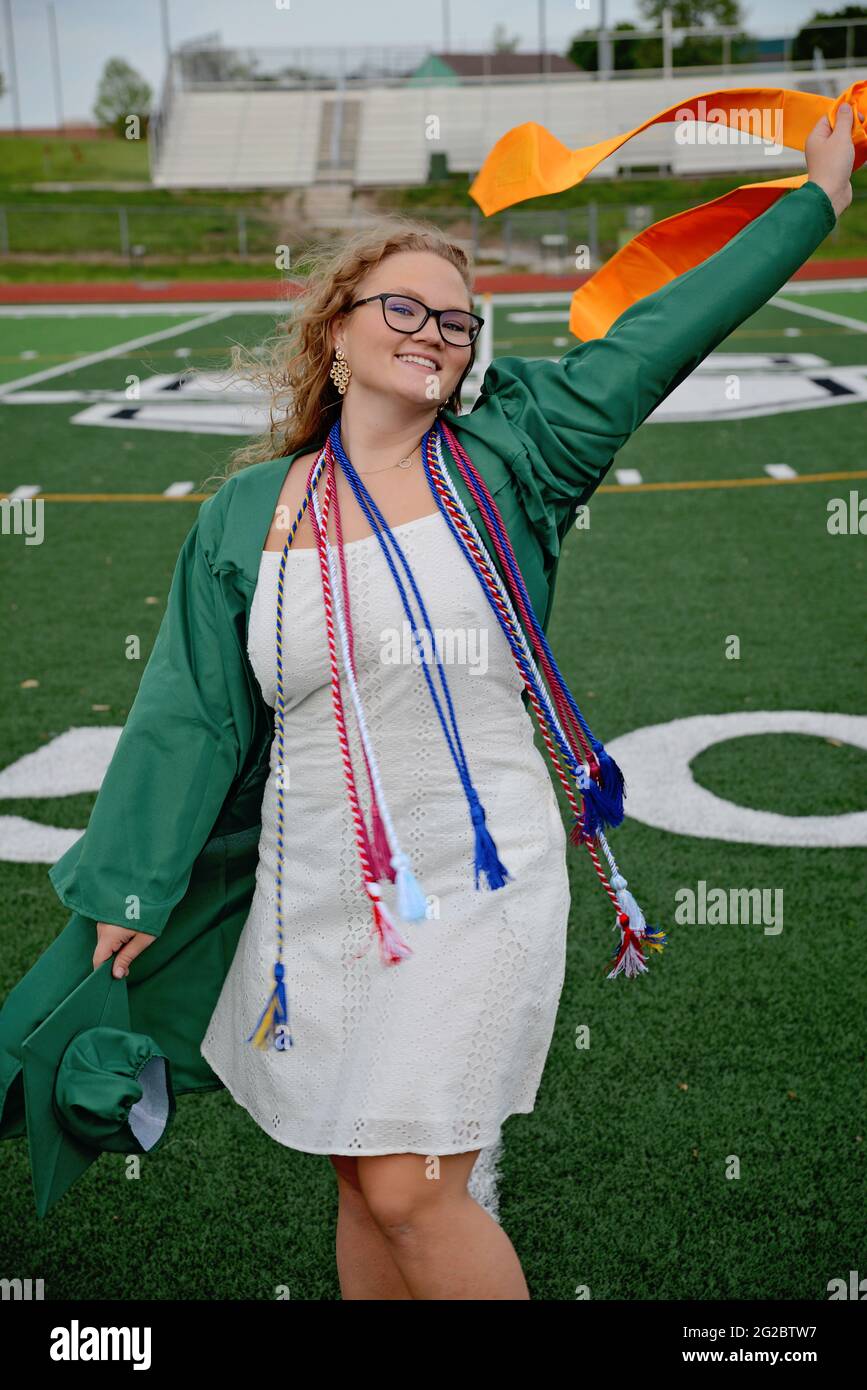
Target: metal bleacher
[[384, 132], [239, 139]]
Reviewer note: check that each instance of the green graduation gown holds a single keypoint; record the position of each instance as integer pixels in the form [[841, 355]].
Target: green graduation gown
[[175, 827]]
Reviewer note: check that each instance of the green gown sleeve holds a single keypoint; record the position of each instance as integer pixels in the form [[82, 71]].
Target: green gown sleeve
[[574, 414], [174, 762]]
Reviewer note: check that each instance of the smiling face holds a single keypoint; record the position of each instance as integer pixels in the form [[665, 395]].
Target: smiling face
[[418, 367]]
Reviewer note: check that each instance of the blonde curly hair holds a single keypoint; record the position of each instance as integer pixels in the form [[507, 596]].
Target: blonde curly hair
[[293, 365]]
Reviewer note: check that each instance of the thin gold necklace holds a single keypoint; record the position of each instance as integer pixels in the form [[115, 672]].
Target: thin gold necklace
[[402, 463]]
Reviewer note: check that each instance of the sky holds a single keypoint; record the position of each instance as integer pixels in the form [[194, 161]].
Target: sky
[[91, 31]]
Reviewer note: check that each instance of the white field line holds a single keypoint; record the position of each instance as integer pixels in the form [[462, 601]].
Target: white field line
[[817, 286], [76, 363], [800, 287], [258, 306], [200, 306], [63, 397], [827, 315]]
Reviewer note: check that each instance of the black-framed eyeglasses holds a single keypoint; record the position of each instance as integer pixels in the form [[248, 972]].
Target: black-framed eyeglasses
[[407, 315]]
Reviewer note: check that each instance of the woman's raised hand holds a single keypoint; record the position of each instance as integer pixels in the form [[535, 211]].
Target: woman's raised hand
[[127, 943], [830, 155]]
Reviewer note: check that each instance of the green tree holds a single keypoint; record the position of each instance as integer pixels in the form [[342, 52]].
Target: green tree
[[687, 14], [832, 42], [122, 92], [209, 64], [691, 14], [501, 43], [625, 53]]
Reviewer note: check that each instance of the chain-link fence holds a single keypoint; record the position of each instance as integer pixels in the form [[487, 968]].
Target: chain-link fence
[[557, 241], [82, 231]]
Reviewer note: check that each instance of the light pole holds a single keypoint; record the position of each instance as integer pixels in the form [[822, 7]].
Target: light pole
[[164, 25], [13, 72], [667, 41], [55, 63], [604, 48]]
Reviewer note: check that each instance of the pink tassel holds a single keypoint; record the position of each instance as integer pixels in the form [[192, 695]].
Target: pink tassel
[[630, 958], [381, 856], [392, 947]]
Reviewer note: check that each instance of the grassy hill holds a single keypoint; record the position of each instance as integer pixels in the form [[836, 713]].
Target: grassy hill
[[81, 210]]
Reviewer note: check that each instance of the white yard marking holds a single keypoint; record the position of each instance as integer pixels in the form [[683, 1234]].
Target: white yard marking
[[73, 762], [772, 391], [760, 361], [62, 397], [502, 301], [202, 417], [780, 470], [664, 794], [178, 489], [540, 316], [628, 477]]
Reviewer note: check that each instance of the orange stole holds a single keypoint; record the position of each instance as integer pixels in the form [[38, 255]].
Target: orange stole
[[528, 162]]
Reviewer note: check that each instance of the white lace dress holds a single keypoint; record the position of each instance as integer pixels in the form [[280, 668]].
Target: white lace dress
[[430, 1055]]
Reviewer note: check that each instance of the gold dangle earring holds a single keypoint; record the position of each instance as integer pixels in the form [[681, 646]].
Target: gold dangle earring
[[340, 371]]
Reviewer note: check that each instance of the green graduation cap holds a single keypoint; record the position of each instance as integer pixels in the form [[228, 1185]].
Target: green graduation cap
[[90, 1084]]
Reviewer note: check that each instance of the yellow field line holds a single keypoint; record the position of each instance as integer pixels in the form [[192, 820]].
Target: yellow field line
[[114, 497], [604, 487], [735, 482]]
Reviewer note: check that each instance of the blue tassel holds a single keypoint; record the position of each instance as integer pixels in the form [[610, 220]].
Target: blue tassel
[[411, 901], [273, 1022], [603, 800], [487, 860], [591, 820], [612, 780]]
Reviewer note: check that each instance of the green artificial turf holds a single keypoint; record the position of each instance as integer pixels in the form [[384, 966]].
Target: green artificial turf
[[709, 1143]]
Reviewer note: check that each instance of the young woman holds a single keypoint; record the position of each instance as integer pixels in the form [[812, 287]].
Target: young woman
[[402, 1075]]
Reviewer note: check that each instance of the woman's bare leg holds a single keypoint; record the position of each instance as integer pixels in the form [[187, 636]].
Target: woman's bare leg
[[365, 1265], [445, 1245]]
